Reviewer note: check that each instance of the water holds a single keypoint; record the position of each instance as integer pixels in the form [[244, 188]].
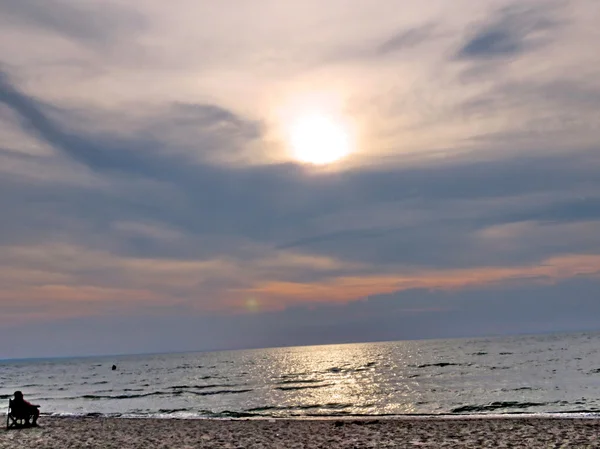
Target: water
[[531, 374]]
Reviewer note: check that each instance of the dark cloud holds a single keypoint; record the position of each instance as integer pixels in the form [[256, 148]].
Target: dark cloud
[[512, 31], [406, 39], [541, 116], [84, 21], [583, 208], [403, 40], [102, 153], [562, 95]]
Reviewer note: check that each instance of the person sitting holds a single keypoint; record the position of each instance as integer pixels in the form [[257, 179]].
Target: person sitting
[[24, 408]]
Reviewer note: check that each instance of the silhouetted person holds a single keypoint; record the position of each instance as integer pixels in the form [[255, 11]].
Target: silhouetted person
[[26, 408], [114, 367]]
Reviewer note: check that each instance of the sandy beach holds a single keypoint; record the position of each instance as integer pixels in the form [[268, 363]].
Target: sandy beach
[[67, 433]]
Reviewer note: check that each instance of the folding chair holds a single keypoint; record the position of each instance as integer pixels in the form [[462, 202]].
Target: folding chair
[[15, 418]]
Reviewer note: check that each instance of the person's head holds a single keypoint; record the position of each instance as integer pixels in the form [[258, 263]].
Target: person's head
[[18, 395]]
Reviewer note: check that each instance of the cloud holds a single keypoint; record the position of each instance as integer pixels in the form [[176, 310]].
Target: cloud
[[147, 230], [94, 280], [427, 215], [561, 107], [513, 30], [216, 129], [566, 306], [431, 215], [346, 289], [406, 39], [90, 22]]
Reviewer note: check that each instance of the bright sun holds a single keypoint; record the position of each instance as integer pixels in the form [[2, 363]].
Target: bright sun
[[319, 139]]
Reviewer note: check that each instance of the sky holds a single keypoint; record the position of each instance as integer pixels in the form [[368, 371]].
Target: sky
[[160, 191]]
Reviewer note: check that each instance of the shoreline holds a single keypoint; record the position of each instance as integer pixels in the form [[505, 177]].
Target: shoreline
[[416, 416], [431, 431]]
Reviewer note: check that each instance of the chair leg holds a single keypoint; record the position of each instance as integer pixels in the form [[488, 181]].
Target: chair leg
[[15, 423]]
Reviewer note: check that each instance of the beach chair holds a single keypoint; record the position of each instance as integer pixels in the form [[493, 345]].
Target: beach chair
[[17, 418]]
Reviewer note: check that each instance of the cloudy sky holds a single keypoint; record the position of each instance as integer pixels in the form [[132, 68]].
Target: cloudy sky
[[158, 189]]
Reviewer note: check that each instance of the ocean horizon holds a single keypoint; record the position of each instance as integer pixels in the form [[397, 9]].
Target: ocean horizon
[[252, 348]]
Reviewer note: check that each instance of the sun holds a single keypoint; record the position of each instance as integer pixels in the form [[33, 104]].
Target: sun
[[319, 139]]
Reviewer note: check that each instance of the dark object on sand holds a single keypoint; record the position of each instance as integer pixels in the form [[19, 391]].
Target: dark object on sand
[[21, 413], [114, 367]]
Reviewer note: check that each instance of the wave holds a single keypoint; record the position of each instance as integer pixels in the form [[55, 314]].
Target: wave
[[306, 381], [231, 414], [159, 393], [120, 396], [293, 375], [211, 393], [369, 418], [302, 387], [442, 364], [346, 369], [518, 389], [498, 405], [169, 411], [177, 413], [365, 367], [330, 405], [202, 387]]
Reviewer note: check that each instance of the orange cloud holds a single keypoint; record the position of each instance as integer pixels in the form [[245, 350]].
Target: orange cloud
[[65, 301], [275, 294], [61, 281], [77, 293]]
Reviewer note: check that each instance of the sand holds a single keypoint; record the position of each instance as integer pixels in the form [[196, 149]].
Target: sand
[[65, 433]]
